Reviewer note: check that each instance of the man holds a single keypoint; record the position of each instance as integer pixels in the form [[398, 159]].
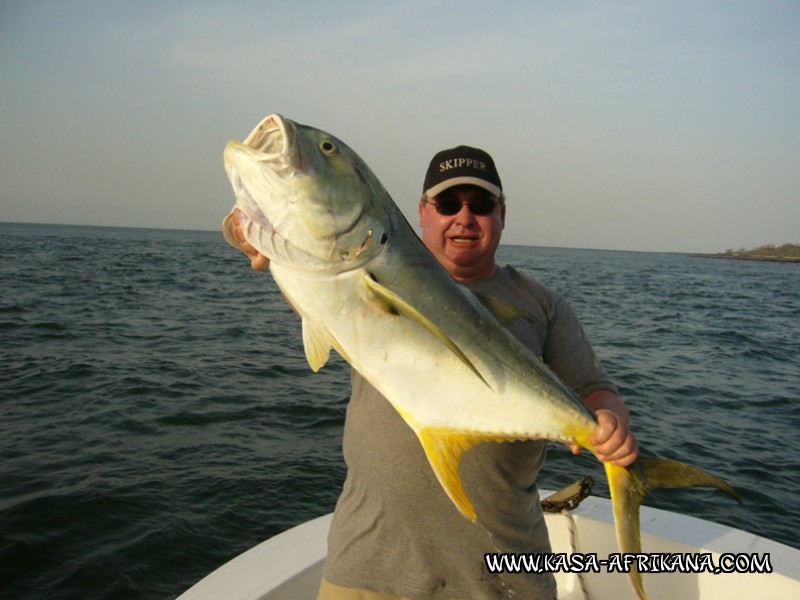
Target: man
[[395, 533]]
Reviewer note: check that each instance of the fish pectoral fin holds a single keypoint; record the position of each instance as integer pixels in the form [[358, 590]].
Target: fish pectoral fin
[[504, 311], [444, 449], [628, 486], [318, 343], [397, 305]]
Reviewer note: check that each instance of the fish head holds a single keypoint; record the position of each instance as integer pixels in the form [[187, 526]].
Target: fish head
[[305, 199]]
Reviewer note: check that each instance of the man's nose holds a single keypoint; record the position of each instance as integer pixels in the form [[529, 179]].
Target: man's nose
[[465, 215]]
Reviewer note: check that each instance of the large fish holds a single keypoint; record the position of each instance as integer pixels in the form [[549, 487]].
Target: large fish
[[363, 283]]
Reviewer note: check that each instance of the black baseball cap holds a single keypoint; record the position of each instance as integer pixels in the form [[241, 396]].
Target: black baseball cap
[[462, 165]]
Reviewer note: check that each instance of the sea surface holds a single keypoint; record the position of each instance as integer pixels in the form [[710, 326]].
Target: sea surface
[[157, 415]]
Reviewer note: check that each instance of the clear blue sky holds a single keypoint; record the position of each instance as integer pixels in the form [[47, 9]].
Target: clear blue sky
[[631, 125]]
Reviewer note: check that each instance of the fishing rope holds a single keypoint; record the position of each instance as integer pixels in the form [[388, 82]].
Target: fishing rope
[[573, 548], [564, 501]]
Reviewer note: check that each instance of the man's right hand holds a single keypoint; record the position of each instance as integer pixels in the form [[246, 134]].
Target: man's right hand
[[258, 261]]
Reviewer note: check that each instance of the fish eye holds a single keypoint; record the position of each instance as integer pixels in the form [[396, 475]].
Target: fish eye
[[328, 147]]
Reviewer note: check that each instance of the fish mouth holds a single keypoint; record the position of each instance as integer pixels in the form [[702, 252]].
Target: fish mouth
[[274, 141], [273, 145]]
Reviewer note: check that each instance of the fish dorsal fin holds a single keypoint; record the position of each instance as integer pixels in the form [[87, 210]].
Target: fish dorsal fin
[[444, 449], [317, 343], [398, 305]]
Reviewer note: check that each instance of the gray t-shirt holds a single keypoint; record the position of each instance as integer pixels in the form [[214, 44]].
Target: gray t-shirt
[[395, 530]]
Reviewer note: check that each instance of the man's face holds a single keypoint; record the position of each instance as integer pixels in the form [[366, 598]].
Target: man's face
[[464, 243]]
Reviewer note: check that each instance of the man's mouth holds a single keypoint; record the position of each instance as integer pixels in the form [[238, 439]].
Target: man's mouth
[[456, 239]]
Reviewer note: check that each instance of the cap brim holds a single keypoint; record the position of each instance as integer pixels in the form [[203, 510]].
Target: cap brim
[[481, 183]]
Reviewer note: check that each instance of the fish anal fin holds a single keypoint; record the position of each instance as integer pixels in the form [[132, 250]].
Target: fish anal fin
[[396, 305], [628, 486], [444, 449], [318, 343]]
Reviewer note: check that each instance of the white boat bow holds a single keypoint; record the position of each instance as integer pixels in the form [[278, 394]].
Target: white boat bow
[[289, 565]]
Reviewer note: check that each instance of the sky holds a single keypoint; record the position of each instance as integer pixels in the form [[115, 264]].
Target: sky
[[627, 125]]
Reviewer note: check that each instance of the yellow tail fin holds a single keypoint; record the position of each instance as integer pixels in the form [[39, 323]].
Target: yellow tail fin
[[628, 487]]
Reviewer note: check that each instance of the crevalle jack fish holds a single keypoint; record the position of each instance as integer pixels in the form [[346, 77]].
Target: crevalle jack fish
[[364, 284]]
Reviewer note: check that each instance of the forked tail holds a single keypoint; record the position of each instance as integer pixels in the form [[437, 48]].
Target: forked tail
[[628, 487]]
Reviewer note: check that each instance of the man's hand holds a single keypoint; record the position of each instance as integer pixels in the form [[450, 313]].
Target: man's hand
[[613, 440], [258, 261]]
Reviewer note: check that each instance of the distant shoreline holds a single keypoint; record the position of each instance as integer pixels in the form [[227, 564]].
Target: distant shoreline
[[789, 259]]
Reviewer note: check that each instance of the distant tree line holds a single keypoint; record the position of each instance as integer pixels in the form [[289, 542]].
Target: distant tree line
[[785, 251]]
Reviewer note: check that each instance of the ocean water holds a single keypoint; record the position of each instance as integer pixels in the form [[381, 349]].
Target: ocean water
[[157, 415]]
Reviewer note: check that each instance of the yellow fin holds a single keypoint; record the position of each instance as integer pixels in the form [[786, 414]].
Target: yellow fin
[[628, 487], [627, 490], [444, 449], [663, 473], [399, 306], [317, 343]]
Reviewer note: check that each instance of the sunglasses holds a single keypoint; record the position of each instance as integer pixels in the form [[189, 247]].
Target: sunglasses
[[479, 206]]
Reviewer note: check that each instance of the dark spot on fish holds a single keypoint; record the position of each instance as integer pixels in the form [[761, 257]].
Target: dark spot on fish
[[384, 238]]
